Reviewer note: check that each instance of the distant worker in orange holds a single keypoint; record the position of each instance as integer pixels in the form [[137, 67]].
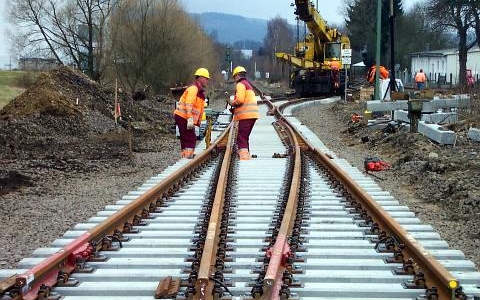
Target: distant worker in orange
[[420, 79], [384, 74], [245, 111], [189, 111]]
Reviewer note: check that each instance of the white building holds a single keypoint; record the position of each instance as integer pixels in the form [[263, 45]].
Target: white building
[[444, 63]]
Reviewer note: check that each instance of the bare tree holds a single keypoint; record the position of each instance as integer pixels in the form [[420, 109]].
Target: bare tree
[[279, 38], [157, 43], [72, 31], [475, 9], [457, 16]]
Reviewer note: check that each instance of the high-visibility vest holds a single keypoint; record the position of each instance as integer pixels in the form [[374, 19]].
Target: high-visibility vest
[[420, 77], [383, 73], [191, 104], [245, 102]]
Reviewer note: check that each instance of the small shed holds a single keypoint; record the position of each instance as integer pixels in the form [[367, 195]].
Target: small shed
[[358, 71]]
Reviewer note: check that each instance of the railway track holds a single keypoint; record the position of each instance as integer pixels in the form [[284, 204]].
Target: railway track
[[296, 222]]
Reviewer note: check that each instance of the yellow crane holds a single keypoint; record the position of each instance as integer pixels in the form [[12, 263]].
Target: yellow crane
[[317, 62]]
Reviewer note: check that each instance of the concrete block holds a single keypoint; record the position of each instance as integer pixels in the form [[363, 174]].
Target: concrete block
[[401, 115], [428, 106], [432, 131], [437, 133], [437, 118], [440, 118], [474, 134]]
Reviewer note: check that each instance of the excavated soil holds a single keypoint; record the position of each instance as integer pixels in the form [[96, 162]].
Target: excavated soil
[[64, 159]]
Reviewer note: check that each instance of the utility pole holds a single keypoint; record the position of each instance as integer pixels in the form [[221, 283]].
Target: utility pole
[[393, 82], [377, 58]]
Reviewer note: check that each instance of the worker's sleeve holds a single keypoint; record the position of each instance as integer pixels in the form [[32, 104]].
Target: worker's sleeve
[[190, 100], [240, 94]]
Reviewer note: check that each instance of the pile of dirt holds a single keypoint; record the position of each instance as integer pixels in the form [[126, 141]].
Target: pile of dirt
[[442, 173], [65, 121]]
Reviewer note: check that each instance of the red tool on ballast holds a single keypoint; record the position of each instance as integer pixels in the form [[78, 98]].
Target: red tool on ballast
[[375, 164], [356, 118]]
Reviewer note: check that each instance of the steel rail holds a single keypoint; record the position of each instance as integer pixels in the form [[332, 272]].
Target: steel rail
[[203, 286], [436, 275], [280, 251], [27, 285]]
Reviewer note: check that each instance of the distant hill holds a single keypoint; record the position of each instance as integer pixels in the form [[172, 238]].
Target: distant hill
[[229, 29]]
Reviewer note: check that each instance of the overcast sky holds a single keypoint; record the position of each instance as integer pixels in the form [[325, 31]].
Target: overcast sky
[[330, 10]]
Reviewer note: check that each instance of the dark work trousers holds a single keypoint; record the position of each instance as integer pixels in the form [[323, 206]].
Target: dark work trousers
[[244, 129], [188, 139]]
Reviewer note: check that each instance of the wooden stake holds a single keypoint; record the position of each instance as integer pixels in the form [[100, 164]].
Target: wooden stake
[[116, 102], [130, 143]]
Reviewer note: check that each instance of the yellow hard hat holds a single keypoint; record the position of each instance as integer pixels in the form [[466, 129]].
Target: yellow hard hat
[[238, 69], [202, 72]]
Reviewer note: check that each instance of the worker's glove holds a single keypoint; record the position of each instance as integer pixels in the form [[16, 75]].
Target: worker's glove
[[190, 123]]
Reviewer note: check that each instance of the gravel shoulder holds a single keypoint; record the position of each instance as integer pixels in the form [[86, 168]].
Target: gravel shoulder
[[438, 183]]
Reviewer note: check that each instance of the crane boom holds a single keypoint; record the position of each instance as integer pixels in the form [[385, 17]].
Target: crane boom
[[315, 23], [317, 59]]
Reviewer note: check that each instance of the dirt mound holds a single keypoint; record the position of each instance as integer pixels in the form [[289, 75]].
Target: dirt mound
[[65, 121], [62, 94]]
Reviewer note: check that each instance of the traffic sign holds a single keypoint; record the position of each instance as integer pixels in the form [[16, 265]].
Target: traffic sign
[[346, 52], [346, 60]]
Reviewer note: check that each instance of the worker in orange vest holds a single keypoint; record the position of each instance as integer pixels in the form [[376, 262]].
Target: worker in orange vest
[[189, 111], [383, 73], [245, 111], [420, 79]]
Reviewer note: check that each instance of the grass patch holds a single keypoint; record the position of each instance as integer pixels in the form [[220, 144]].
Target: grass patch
[[13, 83], [7, 93]]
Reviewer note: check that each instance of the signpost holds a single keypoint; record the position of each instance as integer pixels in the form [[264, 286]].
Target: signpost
[[346, 61]]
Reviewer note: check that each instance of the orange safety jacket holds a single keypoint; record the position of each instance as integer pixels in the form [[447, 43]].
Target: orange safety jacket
[[191, 104], [420, 77], [245, 103], [383, 73]]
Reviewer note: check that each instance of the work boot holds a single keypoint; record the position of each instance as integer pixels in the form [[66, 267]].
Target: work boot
[[189, 153], [244, 154]]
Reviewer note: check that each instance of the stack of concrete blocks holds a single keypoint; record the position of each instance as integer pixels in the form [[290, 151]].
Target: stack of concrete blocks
[[430, 117]]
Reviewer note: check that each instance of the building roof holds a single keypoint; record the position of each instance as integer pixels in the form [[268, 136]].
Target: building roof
[[440, 52]]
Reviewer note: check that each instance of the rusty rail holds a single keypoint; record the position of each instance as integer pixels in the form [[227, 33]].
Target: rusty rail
[[29, 284], [436, 275], [203, 287], [280, 251]]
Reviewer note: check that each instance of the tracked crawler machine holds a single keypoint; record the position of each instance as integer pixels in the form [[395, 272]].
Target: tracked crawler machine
[[316, 66]]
